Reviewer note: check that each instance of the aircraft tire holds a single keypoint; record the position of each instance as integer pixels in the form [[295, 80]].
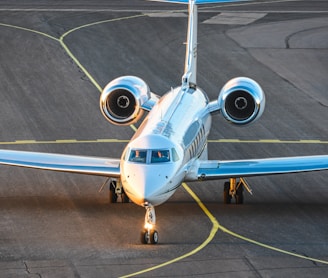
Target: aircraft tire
[[226, 195], [112, 194], [153, 237], [125, 198], [240, 195], [144, 237]]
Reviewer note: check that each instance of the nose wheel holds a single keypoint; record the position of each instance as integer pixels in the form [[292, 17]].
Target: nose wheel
[[149, 234]]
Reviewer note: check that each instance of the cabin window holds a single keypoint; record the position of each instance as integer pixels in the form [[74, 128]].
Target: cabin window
[[191, 133]]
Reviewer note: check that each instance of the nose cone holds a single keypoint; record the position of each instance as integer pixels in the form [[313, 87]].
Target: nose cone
[[147, 183]]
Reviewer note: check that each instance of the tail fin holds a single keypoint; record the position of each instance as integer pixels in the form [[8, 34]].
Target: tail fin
[[190, 70]]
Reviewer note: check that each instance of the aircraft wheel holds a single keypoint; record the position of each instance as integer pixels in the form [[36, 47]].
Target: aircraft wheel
[[226, 195], [112, 194], [153, 237], [240, 195], [144, 237], [125, 198]]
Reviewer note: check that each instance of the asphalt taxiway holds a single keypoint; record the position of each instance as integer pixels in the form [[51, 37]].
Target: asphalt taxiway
[[54, 60]]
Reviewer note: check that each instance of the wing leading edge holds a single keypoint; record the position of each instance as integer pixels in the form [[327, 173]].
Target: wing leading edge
[[215, 169], [63, 163]]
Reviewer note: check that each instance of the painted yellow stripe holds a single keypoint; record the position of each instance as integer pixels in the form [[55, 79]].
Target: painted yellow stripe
[[215, 223], [24, 142], [113, 140], [215, 226], [76, 61], [68, 141], [29, 30], [268, 141], [225, 230]]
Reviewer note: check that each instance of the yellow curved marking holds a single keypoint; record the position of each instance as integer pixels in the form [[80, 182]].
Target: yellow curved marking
[[70, 54], [76, 61], [225, 230], [215, 227], [29, 30], [215, 223]]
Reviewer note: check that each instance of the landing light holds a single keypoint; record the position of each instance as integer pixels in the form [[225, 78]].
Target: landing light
[[148, 226]]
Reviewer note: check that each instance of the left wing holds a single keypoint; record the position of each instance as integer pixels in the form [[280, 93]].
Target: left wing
[[108, 167], [216, 169]]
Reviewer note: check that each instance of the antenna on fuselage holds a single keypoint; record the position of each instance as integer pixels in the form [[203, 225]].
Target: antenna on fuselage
[[190, 71]]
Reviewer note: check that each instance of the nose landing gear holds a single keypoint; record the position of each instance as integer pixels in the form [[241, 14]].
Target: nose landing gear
[[149, 234]]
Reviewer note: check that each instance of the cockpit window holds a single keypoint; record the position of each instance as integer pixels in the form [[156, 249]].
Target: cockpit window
[[159, 156], [175, 156], [150, 156], [139, 156]]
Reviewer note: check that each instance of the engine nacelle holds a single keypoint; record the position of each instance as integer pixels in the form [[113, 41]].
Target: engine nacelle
[[122, 98], [241, 101]]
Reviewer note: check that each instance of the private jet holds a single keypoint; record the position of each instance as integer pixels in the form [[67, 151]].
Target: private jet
[[170, 145]]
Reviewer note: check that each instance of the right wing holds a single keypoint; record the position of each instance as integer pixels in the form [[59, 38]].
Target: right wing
[[216, 169], [89, 165]]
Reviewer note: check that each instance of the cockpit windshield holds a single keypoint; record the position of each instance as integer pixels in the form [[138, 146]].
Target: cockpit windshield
[[150, 156], [158, 156], [139, 156]]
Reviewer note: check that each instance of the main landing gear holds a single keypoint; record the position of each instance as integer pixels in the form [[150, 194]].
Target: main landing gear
[[149, 234], [115, 191], [234, 188]]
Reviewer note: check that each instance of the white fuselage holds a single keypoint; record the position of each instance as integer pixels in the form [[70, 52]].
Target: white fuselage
[[170, 139]]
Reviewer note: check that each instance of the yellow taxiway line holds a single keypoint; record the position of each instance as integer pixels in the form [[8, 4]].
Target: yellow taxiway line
[[115, 140], [215, 224], [215, 227]]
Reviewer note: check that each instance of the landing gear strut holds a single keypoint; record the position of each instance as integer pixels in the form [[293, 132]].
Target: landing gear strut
[[149, 234], [234, 188], [116, 190]]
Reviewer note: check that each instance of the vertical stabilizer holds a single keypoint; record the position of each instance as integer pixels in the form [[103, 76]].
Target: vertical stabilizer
[[190, 72], [189, 77]]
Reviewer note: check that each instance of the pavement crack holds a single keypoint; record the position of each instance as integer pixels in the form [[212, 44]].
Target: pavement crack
[[252, 267], [28, 271]]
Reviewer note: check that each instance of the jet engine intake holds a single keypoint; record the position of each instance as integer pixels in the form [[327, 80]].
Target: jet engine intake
[[122, 99], [241, 101]]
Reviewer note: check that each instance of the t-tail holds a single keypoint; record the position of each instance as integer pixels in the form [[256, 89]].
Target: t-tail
[[189, 78], [241, 100]]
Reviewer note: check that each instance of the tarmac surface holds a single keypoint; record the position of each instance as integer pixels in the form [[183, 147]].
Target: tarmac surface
[[56, 56]]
